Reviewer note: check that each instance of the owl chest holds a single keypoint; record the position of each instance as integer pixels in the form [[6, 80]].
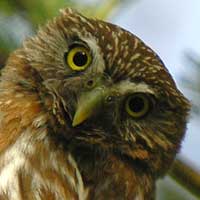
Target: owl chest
[[31, 170], [110, 178]]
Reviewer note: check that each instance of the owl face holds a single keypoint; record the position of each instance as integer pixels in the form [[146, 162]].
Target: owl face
[[106, 89]]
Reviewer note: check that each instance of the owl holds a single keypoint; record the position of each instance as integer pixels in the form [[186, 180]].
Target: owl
[[87, 112]]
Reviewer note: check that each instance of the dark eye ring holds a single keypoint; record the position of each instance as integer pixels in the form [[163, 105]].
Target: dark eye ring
[[137, 105]]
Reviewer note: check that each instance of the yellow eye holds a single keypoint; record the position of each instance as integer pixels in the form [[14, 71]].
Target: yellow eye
[[137, 105], [78, 58]]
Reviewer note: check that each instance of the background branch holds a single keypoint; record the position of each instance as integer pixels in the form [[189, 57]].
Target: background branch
[[186, 175]]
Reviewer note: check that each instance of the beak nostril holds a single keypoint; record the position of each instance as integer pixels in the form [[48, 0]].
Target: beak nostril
[[109, 99]]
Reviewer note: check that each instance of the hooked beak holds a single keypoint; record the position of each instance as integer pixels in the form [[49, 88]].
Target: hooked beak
[[88, 105]]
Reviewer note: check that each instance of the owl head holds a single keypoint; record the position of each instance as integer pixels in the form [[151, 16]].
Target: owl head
[[105, 89]]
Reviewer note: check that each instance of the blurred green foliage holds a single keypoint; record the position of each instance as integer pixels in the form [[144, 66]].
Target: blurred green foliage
[[36, 11]]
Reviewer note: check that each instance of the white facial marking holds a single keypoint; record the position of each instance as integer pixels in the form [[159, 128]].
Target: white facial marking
[[130, 87]]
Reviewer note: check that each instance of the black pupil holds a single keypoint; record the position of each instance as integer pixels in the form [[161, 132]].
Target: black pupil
[[80, 58], [136, 104]]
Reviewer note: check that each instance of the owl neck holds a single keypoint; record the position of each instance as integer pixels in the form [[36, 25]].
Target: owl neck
[[108, 174]]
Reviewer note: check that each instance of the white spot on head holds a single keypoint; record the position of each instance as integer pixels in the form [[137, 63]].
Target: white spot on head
[[126, 52], [107, 28], [101, 26], [135, 56], [136, 44], [119, 61]]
